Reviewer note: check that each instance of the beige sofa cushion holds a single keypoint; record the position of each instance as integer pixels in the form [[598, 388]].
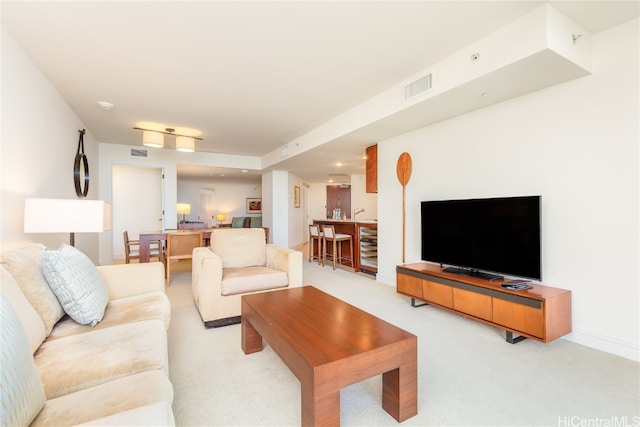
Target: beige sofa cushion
[[108, 400], [31, 321], [24, 264], [153, 305], [70, 364], [157, 414], [21, 394], [239, 247], [252, 279]]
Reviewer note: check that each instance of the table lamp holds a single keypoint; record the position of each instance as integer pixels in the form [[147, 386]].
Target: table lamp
[[184, 209], [66, 216], [220, 218]]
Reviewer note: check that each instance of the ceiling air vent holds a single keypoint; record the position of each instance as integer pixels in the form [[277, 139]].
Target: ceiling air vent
[[418, 86], [135, 152]]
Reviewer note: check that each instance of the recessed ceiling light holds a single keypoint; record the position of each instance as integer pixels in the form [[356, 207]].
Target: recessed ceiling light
[[244, 171]]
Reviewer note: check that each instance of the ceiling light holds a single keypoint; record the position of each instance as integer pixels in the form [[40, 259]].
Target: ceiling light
[[105, 105], [152, 139], [155, 138], [185, 144]]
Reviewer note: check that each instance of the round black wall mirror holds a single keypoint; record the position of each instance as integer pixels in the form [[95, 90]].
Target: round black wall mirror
[[81, 169]]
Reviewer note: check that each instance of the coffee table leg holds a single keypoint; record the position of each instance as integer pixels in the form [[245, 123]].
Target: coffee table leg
[[319, 410], [400, 391], [251, 339]]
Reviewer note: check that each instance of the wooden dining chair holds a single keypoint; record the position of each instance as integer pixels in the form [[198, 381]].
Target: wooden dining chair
[[180, 245], [132, 249]]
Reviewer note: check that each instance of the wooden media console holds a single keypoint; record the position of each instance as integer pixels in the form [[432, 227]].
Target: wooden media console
[[542, 313]]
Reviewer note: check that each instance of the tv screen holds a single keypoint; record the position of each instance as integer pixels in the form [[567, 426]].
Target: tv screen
[[498, 235]]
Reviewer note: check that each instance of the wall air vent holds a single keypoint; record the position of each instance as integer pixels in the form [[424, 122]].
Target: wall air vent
[[418, 86], [136, 152]]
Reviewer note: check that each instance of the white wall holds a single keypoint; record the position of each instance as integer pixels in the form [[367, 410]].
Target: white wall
[[360, 199], [576, 144], [297, 224], [229, 198], [39, 143], [276, 206], [317, 195]]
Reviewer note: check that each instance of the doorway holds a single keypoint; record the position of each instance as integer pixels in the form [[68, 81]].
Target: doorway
[[205, 206], [137, 204]]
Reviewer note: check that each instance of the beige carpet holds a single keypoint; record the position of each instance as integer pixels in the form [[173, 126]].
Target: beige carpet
[[468, 374]]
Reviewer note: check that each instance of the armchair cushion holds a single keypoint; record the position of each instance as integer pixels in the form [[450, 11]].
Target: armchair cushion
[[237, 222], [252, 279], [256, 221], [244, 247]]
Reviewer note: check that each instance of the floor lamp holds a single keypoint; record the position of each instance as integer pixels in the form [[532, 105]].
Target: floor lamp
[[66, 216]]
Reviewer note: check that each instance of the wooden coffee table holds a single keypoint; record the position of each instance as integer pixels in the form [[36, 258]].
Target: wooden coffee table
[[329, 344]]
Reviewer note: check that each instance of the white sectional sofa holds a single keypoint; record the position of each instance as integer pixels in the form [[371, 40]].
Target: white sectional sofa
[[58, 372]]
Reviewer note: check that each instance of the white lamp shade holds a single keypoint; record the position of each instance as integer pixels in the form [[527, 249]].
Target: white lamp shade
[[152, 139], [221, 217], [186, 144], [66, 216], [183, 208]]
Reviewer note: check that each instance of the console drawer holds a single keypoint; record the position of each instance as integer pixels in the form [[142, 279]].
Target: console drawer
[[437, 293], [409, 285], [518, 317], [472, 303]]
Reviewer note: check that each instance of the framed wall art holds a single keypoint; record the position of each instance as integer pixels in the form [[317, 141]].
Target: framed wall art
[[254, 206]]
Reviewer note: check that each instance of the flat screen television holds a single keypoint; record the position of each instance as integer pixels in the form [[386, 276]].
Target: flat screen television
[[482, 237]]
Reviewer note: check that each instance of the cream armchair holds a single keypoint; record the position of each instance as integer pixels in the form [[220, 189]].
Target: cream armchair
[[239, 262]]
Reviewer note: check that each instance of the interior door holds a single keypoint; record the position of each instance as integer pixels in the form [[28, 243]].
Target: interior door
[[339, 197], [205, 206], [137, 203]]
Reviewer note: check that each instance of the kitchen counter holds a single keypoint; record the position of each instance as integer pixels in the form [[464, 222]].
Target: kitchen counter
[[355, 230]]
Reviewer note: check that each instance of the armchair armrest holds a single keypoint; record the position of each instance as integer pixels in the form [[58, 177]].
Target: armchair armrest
[[206, 281], [125, 280], [285, 259]]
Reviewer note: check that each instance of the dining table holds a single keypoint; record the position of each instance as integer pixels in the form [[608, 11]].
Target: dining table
[[146, 237]]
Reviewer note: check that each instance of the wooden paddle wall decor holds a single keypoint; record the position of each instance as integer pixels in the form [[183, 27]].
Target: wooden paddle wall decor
[[403, 169]]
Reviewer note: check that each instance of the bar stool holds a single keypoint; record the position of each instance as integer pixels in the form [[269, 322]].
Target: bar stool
[[315, 235], [329, 235]]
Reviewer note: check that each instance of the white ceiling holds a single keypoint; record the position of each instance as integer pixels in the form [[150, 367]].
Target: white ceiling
[[253, 76]]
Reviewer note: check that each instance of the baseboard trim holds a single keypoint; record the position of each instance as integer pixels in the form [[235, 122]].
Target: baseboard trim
[[223, 322], [600, 342]]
